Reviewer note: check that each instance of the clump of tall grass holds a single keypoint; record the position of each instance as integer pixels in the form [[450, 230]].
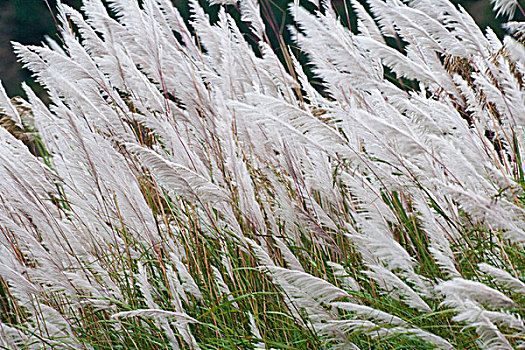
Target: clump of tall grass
[[186, 189]]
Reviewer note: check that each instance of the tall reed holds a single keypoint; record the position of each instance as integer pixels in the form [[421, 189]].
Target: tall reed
[[185, 189]]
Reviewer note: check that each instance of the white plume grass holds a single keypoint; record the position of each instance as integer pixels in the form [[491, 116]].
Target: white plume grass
[[187, 184]]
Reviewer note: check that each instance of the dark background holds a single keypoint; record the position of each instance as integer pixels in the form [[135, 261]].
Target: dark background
[[28, 21]]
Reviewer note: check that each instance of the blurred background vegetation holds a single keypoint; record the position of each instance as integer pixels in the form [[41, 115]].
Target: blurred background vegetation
[[29, 21]]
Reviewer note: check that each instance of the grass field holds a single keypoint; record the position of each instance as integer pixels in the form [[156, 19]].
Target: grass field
[[189, 187]]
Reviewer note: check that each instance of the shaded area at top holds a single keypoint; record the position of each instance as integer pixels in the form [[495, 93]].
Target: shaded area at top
[[29, 21]]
